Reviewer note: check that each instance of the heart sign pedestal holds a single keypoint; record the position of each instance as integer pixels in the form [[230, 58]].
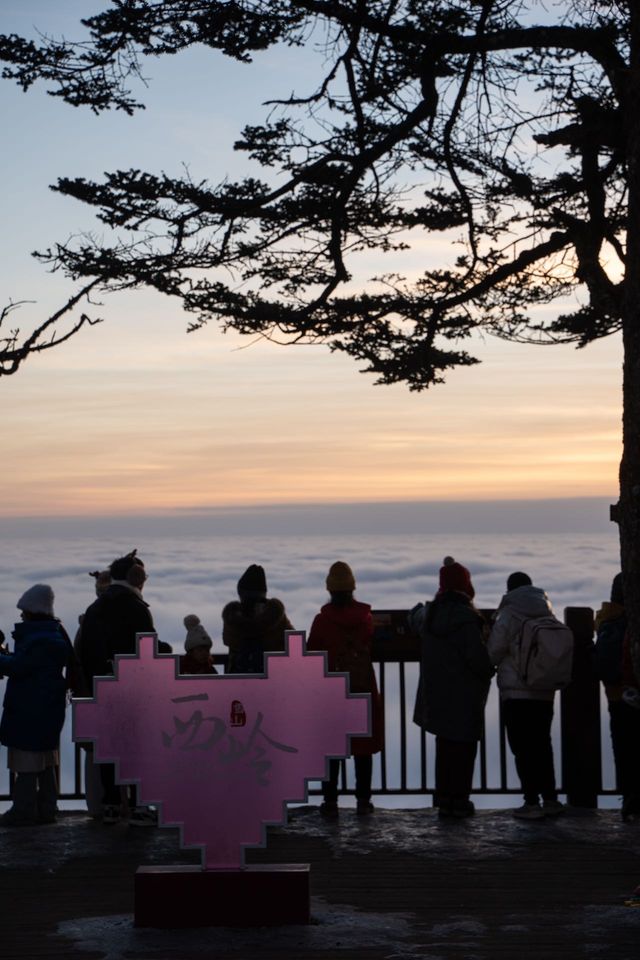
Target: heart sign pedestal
[[258, 896]]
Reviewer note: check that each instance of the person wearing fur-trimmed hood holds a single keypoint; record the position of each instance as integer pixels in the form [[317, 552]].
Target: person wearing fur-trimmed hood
[[253, 624]]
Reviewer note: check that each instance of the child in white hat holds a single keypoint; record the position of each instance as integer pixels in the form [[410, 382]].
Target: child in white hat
[[197, 645]]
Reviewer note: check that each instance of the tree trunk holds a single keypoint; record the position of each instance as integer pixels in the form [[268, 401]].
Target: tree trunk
[[629, 508]]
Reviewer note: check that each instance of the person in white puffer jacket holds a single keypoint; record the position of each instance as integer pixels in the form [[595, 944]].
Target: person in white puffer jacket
[[527, 713]]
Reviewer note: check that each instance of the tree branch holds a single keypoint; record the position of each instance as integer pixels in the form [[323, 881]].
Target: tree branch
[[13, 353]]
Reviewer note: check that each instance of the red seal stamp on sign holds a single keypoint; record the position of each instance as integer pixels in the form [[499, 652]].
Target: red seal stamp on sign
[[238, 717]]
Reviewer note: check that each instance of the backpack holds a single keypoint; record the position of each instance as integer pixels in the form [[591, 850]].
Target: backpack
[[544, 653]]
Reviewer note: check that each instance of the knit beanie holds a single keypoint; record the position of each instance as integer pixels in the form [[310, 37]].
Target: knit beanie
[[197, 636], [453, 576], [37, 599], [340, 578], [252, 585], [120, 567], [617, 590], [518, 579]]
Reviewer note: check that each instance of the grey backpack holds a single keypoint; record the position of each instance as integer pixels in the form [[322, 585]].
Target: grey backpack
[[545, 653]]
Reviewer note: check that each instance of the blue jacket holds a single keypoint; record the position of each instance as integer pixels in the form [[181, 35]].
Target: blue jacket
[[35, 698]]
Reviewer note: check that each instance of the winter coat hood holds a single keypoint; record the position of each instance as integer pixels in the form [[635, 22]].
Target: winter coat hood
[[526, 602], [449, 612], [250, 629], [516, 606], [253, 620]]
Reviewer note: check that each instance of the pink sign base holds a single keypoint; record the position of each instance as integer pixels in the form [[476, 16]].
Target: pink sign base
[[257, 896]]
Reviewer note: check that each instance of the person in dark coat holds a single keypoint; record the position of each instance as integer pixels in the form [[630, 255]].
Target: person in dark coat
[[613, 667], [109, 628], [102, 581], [455, 674], [253, 624], [34, 707], [344, 628], [92, 776], [110, 623]]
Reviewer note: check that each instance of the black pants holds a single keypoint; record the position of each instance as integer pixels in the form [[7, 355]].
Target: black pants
[[363, 765], [455, 761], [35, 795], [625, 738], [528, 724], [112, 792]]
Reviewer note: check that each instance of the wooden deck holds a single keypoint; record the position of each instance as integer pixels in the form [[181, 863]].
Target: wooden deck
[[400, 885]]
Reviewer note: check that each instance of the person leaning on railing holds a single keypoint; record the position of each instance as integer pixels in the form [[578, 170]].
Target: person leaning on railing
[[527, 712], [614, 669], [455, 674], [344, 628]]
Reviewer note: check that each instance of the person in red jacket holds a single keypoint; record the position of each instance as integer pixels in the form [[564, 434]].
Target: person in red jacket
[[344, 628]]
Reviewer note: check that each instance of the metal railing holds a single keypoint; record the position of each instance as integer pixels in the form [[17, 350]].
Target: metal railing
[[405, 766], [577, 733]]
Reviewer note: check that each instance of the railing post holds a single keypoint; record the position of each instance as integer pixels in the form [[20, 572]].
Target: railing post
[[580, 717]]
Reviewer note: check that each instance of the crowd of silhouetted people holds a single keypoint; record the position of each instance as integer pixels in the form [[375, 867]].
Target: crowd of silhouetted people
[[524, 645]]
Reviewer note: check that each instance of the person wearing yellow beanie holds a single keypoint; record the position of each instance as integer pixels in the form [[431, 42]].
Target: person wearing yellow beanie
[[340, 578], [344, 629]]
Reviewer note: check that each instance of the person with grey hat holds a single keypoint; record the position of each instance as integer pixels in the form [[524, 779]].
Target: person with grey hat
[[34, 707], [253, 624]]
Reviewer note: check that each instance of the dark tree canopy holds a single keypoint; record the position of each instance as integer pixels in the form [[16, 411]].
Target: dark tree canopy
[[509, 129], [497, 124]]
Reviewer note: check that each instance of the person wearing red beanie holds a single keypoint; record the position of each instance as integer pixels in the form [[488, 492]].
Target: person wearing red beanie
[[455, 673], [453, 576]]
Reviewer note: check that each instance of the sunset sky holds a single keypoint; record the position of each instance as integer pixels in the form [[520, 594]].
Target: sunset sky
[[134, 415]]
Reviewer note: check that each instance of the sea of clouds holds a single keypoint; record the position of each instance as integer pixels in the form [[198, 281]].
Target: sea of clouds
[[198, 572]]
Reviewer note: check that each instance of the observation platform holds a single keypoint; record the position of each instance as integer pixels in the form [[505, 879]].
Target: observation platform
[[398, 885]]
